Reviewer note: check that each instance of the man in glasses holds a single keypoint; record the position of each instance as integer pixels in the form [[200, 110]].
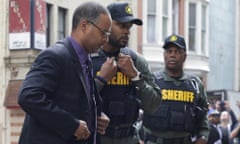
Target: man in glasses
[[123, 78], [58, 94]]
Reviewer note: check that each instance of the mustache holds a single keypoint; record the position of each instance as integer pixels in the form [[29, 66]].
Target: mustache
[[125, 37]]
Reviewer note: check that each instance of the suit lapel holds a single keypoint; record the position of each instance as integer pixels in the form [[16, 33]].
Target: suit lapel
[[77, 65], [79, 72]]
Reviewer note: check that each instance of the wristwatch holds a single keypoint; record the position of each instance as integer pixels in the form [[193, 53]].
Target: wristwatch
[[137, 77], [202, 137]]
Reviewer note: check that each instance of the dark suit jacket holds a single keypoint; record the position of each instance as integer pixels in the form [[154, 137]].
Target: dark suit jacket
[[213, 135], [54, 97]]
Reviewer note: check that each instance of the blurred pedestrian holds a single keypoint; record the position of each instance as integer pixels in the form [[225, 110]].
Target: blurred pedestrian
[[215, 135]]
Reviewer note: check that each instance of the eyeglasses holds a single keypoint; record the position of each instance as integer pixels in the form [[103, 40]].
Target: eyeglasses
[[104, 32]]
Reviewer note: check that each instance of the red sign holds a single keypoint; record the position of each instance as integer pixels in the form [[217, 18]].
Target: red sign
[[40, 16], [40, 24], [19, 16], [20, 33]]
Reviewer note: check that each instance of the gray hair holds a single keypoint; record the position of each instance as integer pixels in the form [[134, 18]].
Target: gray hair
[[89, 11]]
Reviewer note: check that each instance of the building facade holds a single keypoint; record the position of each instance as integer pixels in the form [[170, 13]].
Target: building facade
[[188, 18], [224, 45]]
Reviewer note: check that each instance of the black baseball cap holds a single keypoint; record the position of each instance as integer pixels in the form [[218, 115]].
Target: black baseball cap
[[177, 40], [121, 12]]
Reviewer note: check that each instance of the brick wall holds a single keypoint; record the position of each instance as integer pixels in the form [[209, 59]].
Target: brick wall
[[16, 121]]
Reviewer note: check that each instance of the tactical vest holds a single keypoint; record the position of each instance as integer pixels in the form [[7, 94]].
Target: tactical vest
[[177, 110], [119, 96]]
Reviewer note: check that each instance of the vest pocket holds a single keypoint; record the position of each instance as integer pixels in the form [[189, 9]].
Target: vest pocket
[[159, 118], [132, 106], [116, 108], [177, 121], [190, 119]]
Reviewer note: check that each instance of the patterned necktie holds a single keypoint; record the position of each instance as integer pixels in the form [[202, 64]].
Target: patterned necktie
[[89, 73], [89, 76], [86, 71]]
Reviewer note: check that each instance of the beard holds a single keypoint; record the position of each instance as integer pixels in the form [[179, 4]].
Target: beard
[[117, 43]]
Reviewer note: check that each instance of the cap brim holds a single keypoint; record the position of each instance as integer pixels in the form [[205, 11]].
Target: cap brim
[[129, 19], [175, 43]]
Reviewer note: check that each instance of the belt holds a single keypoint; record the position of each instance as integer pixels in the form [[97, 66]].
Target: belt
[[116, 132], [156, 139]]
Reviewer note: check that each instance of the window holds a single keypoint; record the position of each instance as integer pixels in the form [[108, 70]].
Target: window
[[48, 22], [197, 27], [175, 16], [151, 19], [164, 18], [61, 23], [192, 27], [203, 40]]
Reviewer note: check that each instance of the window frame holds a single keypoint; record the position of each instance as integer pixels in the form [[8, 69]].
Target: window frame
[[201, 42], [62, 17]]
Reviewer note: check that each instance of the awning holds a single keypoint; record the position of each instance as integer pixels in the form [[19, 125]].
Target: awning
[[11, 96]]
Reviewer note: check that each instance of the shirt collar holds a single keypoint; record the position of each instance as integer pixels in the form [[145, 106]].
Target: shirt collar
[[168, 78], [81, 52]]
